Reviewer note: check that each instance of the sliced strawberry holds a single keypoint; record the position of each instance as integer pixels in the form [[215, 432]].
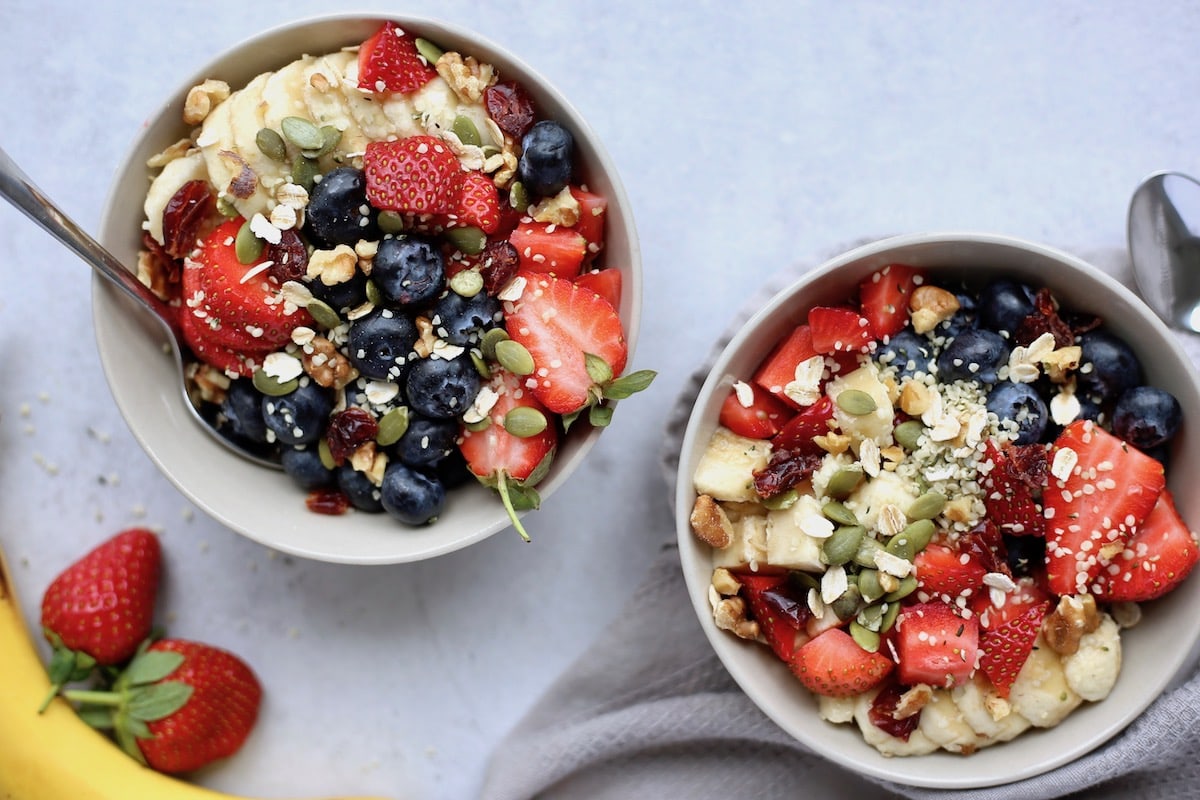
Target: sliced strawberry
[[1159, 556], [235, 362], [947, 572], [548, 248], [883, 296], [936, 645], [389, 62], [779, 368], [478, 203], [1004, 648], [834, 665], [1009, 488], [996, 608], [782, 616], [604, 282], [560, 324], [761, 419], [511, 464], [839, 330], [1110, 490], [417, 175], [590, 226], [798, 433]]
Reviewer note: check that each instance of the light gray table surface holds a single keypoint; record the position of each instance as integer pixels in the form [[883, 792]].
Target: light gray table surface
[[749, 137]]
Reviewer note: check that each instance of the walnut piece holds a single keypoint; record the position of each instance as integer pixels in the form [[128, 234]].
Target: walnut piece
[[931, 305], [333, 266], [912, 701], [730, 615], [325, 365], [562, 209], [468, 77], [170, 153], [710, 522], [915, 398], [208, 382], [202, 99], [1074, 616], [426, 340], [504, 173], [725, 583]]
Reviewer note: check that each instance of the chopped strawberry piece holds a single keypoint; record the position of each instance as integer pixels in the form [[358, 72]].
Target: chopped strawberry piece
[[478, 203], [493, 450], [798, 433], [235, 362], [839, 330], [781, 614], [947, 572], [1109, 492], [590, 226], [604, 282], [834, 665], [548, 248], [936, 645], [389, 62], [1008, 489], [1157, 558], [417, 174], [761, 419], [994, 609], [883, 297], [1005, 648], [560, 323], [779, 368]]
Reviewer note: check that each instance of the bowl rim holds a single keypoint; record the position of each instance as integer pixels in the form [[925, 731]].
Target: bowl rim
[[281, 41], [739, 658]]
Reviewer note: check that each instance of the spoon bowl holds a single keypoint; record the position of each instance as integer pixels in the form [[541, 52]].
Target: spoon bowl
[[18, 189], [1164, 246]]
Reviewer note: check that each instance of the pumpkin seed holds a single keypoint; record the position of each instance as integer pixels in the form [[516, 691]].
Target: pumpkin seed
[[849, 604], [247, 247], [467, 283], [908, 434], [480, 365], [374, 296], [325, 454], [836, 512], [475, 427], [304, 173], [271, 386], [330, 137], [464, 128], [323, 314], [842, 544], [781, 501], [271, 144], [919, 533], [927, 506], [856, 402], [468, 239], [908, 585], [866, 638], [871, 617], [392, 426], [514, 357], [890, 612], [901, 546], [868, 585], [428, 50], [865, 557], [844, 481], [391, 222], [518, 198], [525, 421], [487, 345], [226, 208], [301, 133], [806, 580]]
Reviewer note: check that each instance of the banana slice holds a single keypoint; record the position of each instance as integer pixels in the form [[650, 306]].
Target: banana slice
[[989, 715], [1092, 670], [364, 109], [283, 94], [1040, 692], [216, 137], [246, 116], [325, 98], [175, 174], [917, 744], [944, 724]]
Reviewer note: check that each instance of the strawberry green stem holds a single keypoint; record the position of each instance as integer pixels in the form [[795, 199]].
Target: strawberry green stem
[[502, 487], [50, 695], [94, 698]]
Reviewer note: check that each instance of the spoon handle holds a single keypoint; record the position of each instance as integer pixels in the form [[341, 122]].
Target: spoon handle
[[18, 189]]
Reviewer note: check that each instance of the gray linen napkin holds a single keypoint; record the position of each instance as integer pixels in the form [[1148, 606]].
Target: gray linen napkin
[[649, 711]]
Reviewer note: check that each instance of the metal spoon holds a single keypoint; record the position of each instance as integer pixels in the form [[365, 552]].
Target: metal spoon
[[1164, 246], [18, 189]]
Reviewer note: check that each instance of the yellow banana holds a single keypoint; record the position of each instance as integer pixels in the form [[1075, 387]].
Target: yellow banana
[[55, 755]]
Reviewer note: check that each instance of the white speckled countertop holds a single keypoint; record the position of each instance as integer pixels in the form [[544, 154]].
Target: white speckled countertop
[[748, 138]]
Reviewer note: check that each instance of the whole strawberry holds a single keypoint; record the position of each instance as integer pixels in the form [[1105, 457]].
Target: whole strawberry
[[178, 706], [102, 607], [416, 175]]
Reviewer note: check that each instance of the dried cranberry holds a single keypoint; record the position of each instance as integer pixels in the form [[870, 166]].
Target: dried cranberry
[[498, 264], [289, 258], [883, 709], [1044, 319], [785, 469], [166, 268], [327, 501], [510, 107], [1029, 464], [184, 216], [349, 429], [986, 545]]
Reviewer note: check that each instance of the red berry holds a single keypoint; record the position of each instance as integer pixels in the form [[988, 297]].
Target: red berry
[[389, 62], [417, 175]]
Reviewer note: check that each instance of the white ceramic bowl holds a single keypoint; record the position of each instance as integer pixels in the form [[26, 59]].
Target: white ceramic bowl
[[258, 502], [1154, 651]]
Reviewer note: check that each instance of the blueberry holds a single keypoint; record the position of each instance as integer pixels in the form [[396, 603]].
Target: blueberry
[[909, 352], [463, 320], [975, 355], [964, 319], [1003, 304], [1146, 417], [453, 471], [347, 294], [300, 416], [426, 442], [338, 212], [380, 344], [547, 151], [410, 495], [1025, 553], [241, 412], [409, 271], [1020, 403], [442, 389], [362, 494], [303, 465], [1107, 365]]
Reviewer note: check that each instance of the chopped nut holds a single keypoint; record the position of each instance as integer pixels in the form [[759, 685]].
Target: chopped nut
[[912, 701], [172, 152], [202, 99], [730, 615], [834, 443], [155, 274], [959, 509], [710, 523], [1062, 362], [210, 382], [931, 305], [370, 461], [426, 340], [893, 456], [724, 582], [998, 707], [504, 174], [1074, 616], [915, 398], [333, 266], [325, 365], [468, 77], [561, 209]]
